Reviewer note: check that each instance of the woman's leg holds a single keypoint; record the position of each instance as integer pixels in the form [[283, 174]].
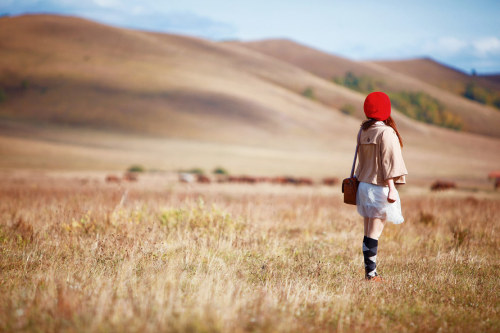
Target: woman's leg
[[373, 230]]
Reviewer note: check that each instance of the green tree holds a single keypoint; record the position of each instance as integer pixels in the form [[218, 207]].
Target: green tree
[[348, 109], [3, 96], [136, 168], [220, 171], [309, 93]]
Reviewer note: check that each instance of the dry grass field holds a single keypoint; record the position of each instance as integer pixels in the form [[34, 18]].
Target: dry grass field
[[78, 254]]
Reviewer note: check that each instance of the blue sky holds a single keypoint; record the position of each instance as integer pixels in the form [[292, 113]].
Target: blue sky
[[463, 34]]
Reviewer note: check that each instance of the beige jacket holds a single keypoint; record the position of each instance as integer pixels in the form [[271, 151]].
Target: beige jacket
[[380, 156]]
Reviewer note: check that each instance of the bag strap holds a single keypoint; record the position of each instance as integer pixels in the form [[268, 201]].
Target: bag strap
[[356, 153]]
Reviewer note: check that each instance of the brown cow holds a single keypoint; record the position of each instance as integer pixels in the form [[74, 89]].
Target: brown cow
[[130, 176], [248, 179], [263, 179], [304, 181], [232, 179], [330, 181], [203, 179], [113, 179], [242, 179], [221, 178], [441, 185], [495, 175], [279, 180]]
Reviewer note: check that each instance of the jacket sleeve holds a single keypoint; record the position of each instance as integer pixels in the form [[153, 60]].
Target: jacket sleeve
[[392, 163]]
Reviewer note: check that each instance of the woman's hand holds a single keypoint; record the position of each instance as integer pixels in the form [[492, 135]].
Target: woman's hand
[[393, 193], [392, 196]]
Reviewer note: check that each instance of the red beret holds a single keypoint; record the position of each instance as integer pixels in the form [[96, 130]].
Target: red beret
[[377, 106]]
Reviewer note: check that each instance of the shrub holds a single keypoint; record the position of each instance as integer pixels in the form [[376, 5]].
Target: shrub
[[423, 107], [484, 96], [309, 93], [220, 171], [197, 171], [136, 168], [348, 109], [363, 83], [3, 96]]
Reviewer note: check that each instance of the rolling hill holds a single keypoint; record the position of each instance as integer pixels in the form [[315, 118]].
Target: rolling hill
[[477, 118], [430, 71], [83, 95]]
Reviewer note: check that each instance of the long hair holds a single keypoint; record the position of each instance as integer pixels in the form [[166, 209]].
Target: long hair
[[389, 122]]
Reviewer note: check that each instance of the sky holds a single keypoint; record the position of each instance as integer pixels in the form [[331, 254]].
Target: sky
[[462, 34]]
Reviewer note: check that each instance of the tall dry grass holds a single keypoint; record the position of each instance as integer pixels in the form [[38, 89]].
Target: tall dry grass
[[222, 258]]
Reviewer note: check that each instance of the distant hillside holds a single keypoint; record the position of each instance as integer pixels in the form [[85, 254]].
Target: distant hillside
[[322, 64], [430, 71], [82, 95], [477, 118], [484, 89], [73, 72], [492, 77]]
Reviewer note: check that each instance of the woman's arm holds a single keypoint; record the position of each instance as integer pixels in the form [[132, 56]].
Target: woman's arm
[[391, 197]]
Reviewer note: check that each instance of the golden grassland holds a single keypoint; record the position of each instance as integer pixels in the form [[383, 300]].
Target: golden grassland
[[81, 255]]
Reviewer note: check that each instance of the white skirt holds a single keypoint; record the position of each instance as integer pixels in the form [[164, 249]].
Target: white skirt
[[371, 201]]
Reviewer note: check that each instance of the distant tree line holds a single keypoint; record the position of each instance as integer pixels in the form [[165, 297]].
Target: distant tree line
[[484, 96], [416, 105], [423, 107], [364, 84]]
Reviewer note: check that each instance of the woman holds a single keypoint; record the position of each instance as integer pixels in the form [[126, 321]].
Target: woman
[[380, 167]]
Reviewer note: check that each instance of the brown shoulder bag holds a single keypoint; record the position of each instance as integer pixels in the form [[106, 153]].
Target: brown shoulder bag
[[350, 185]]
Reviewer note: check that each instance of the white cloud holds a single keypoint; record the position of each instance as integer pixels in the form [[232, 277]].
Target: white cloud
[[487, 46], [451, 44], [445, 46]]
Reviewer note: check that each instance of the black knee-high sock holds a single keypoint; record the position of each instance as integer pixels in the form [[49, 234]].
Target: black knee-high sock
[[370, 253]]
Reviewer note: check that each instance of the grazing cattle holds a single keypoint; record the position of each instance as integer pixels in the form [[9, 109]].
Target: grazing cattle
[[203, 179], [330, 181], [275, 180], [248, 179], [242, 179], [263, 179], [113, 179], [221, 179], [130, 176], [186, 177], [233, 179], [304, 181], [279, 180], [440, 185], [495, 175]]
